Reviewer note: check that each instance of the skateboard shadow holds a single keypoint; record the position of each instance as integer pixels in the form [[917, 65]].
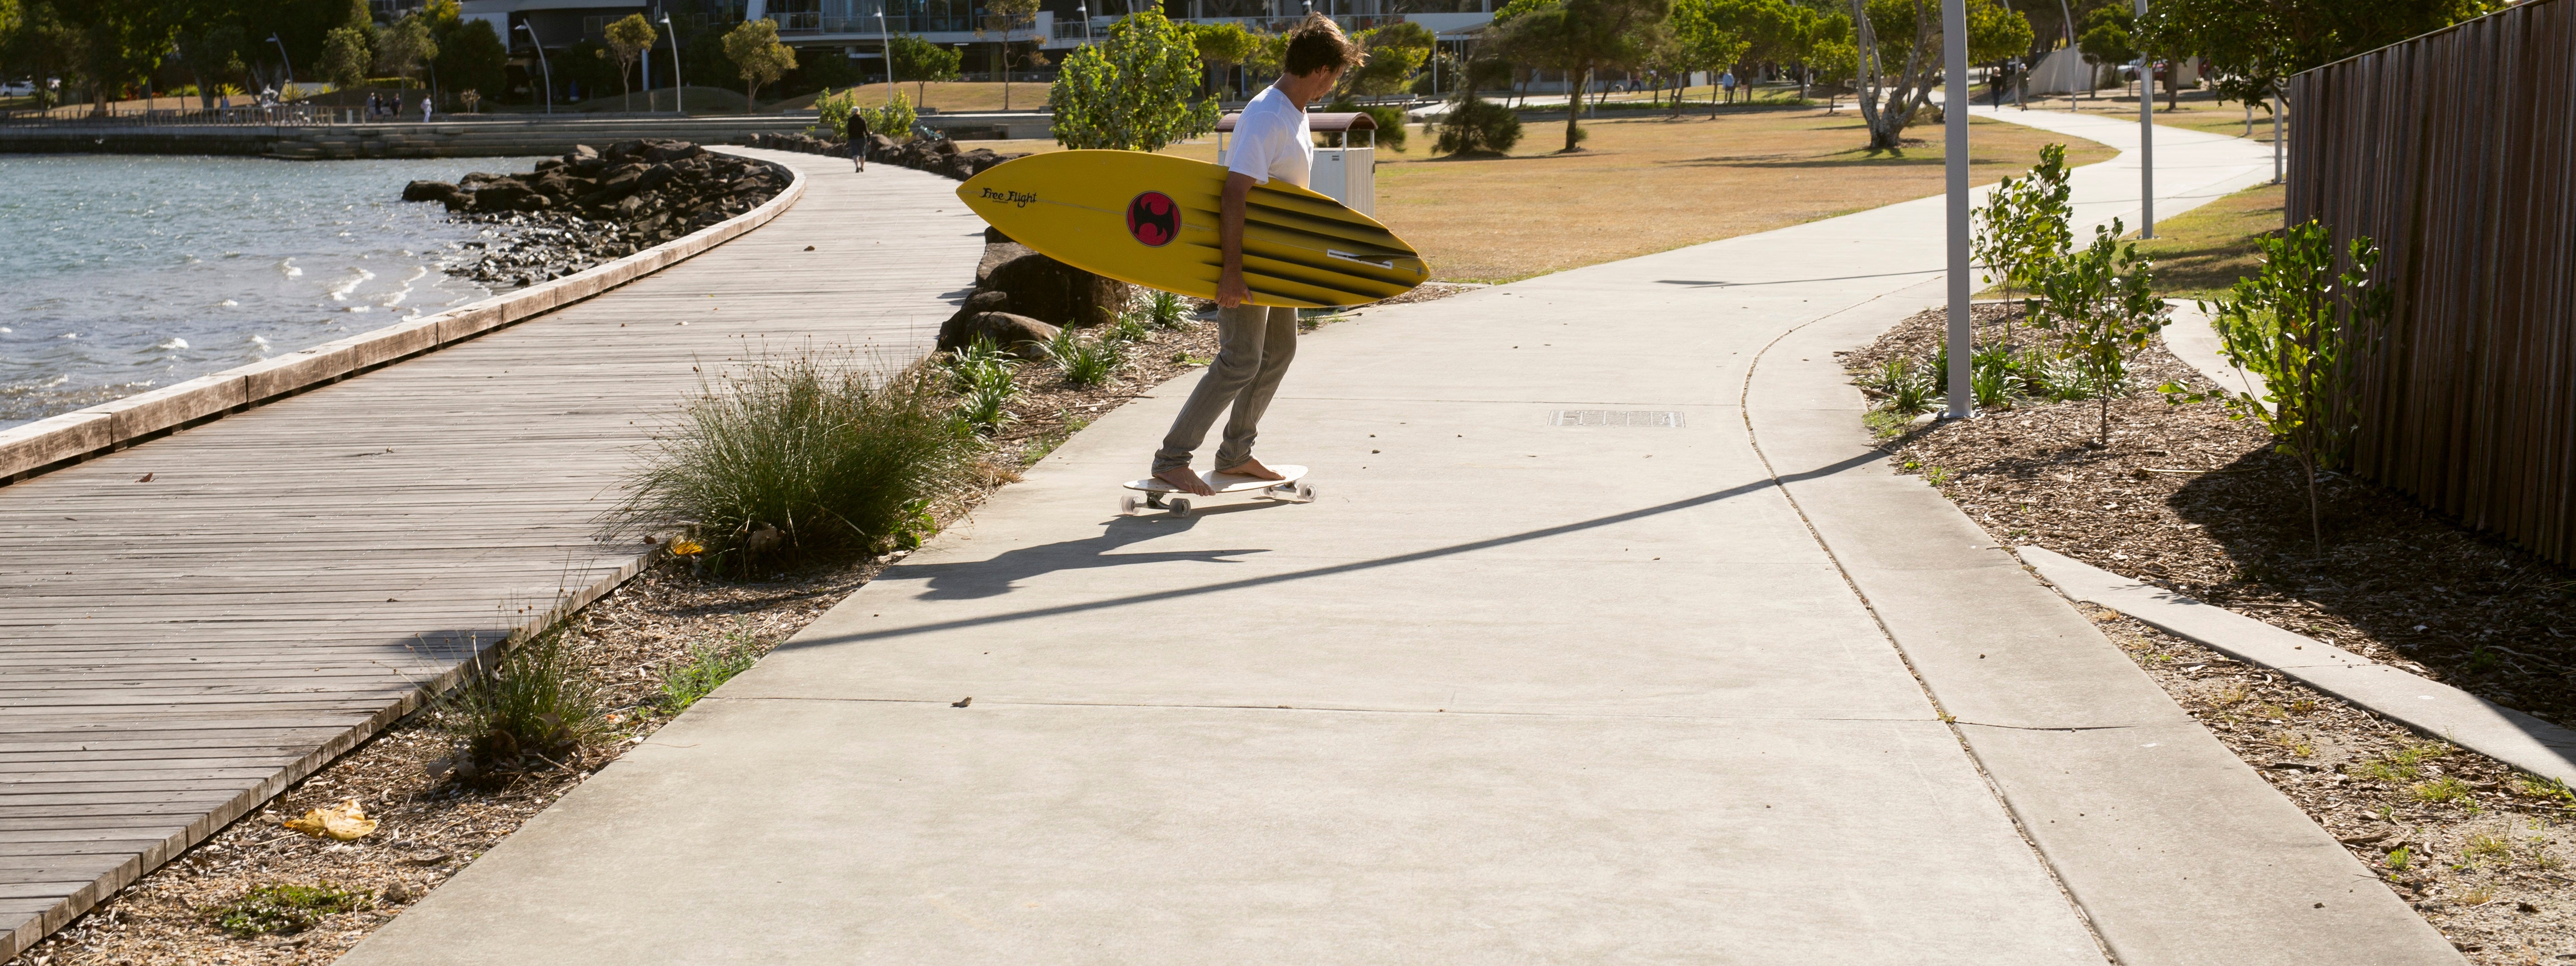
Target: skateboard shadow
[[997, 576]]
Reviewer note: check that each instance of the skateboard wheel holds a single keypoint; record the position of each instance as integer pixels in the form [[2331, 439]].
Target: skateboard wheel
[[1180, 508], [1305, 494], [1127, 506]]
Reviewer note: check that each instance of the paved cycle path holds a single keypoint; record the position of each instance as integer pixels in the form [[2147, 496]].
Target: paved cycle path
[[1715, 689]]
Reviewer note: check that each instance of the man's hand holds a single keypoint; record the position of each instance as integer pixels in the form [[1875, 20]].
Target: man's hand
[[1230, 290]]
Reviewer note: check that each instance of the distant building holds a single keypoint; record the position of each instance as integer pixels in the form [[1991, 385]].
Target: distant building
[[855, 29]]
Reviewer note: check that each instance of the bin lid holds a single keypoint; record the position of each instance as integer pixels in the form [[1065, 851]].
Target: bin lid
[[1320, 123]]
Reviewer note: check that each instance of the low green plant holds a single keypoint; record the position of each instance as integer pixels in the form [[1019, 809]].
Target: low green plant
[[805, 453], [1994, 380], [2548, 789], [2306, 330], [539, 701], [1130, 327], [1167, 310], [709, 666], [985, 408], [1085, 361], [1910, 390], [2100, 306], [2400, 857], [918, 524], [2044, 374], [1938, 475], [894, 120], [282, 908], [2440, 790], [1474, 126], [2490, 848]]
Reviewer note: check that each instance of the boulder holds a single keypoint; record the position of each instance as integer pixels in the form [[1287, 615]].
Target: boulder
[[1056, 293], [428, 191], [880, 147], [583, 151], [1018, 334], [510, 194], [995, 253]]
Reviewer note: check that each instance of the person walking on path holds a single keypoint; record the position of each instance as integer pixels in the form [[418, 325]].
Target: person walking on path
[[1727, 80], [857, 131], [424, 109], [1255, 342]]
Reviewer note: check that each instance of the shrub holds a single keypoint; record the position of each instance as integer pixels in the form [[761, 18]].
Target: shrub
[[2101, 305], [1391, 120], [986, 380], [803, 454], [1086, 362], [2023, 227], [1910, 390], [2305, 330], [283, 908], [1476, 126], [1993, 379], [1168, 310], [894, 120], [539, 701]]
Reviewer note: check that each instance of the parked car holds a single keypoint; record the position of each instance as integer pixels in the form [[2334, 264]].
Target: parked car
[[18, 88], [2129, 72]]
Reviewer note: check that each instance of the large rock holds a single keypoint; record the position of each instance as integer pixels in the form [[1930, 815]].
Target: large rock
[[1056, 293], [995, 254], [1018, 334], [428, 191], [510, 194]]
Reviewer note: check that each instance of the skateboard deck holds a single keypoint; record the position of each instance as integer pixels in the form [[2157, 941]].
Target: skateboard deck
[[1164, 496], [1151, 219]]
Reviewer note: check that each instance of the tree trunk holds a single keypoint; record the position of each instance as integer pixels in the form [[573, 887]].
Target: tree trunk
[[1574, 103]]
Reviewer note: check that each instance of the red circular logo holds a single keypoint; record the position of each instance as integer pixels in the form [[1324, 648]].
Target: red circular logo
[[1154, 219]]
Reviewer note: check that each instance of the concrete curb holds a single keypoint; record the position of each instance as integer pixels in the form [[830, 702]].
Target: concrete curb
[[38, 446], [2429, 706]]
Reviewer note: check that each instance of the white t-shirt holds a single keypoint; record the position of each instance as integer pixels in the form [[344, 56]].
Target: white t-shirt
[[1271, 140]]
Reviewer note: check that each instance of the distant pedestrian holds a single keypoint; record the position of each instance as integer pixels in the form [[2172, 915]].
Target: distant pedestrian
[[424, 110], [1996, 81], [1727, 81], [859, 136]]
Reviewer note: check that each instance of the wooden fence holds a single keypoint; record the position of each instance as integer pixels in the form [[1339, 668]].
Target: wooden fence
[[2456, 151]]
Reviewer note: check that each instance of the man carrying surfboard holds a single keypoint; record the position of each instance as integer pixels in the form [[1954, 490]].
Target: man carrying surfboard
[[1254, 342]]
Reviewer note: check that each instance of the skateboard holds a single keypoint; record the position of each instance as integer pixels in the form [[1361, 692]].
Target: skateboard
[[1159, 495]]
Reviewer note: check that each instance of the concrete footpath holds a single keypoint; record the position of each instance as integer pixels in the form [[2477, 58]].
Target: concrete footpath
[[1720, 689]]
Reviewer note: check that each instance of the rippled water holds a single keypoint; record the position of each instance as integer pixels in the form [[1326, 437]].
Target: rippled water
[[120, 273]]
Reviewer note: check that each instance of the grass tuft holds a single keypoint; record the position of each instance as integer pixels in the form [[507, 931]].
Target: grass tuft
[[800, 454], [280, 908], [1167, 310], [541, 702], [2440, 790], [1086, 362], [709, 666]]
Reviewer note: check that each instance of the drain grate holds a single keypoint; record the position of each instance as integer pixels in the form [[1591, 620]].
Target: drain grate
[[1611, 417]]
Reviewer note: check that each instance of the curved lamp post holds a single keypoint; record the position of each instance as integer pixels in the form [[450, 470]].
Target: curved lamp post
[[281, 55], [541, 62], [885, 42], [676, 84]]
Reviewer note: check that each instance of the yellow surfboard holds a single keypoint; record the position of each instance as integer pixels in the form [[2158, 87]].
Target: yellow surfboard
[[1151, 219]]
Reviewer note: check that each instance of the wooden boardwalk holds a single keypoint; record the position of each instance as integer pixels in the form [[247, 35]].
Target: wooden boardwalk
[[175, 652]]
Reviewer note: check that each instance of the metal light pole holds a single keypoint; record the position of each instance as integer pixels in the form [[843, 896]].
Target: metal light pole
[[2276, 135], [675, 66], [886, 41], [1954, 148], [541, 62], [1083, 11], [2146, 138]]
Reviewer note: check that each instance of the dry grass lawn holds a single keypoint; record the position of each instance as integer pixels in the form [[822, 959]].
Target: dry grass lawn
[[1647, 184], [2199, 111], [2202, 252], [952, 97]]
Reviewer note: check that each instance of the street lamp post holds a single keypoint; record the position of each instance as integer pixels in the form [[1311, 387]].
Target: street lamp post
[[885, 41], [1954, 115], [281, 55], [541, 63], [2146, 138], [676, 84], [1083, 11]]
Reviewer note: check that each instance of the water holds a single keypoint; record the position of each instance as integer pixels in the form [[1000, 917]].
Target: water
[[120, 273]]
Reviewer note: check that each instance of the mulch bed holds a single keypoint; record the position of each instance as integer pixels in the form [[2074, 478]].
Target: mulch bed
[[2184, 498], [2187, 499], [431, 827]]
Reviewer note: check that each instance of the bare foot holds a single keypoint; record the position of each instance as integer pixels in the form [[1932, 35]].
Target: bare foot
[[1181, 477], [1253, 469]]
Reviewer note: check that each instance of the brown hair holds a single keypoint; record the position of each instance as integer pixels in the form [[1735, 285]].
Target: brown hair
[[1317, 43]]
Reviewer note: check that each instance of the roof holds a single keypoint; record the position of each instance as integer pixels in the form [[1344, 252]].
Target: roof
[[1314, 122]]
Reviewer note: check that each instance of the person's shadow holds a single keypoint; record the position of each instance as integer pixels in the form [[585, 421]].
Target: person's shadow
[[997, 576]]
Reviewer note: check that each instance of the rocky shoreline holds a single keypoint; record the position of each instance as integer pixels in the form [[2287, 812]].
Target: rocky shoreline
[[594, 206]]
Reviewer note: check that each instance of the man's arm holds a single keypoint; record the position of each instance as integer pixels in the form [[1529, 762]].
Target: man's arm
[[1230, 290]]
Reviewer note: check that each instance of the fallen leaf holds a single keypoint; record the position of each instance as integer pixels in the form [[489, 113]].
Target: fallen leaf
[[345, 822]]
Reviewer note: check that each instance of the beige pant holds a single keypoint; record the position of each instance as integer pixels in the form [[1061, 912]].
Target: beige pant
[[1254, 345]]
